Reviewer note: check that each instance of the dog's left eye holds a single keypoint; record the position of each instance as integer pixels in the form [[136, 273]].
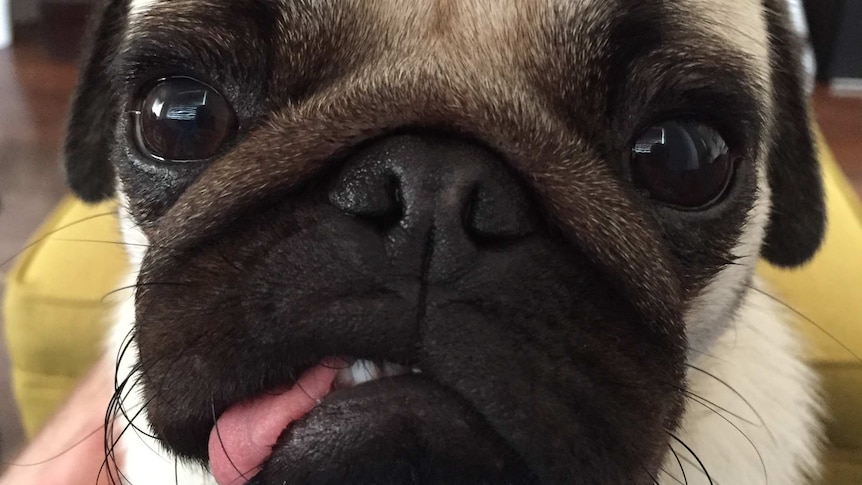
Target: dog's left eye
[[682, 163], [182, 119]]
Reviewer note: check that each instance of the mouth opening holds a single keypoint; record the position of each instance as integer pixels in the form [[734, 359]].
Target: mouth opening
[[362, 371], [243, 436]]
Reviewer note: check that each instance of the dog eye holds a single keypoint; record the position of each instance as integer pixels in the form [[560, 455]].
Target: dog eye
[[183, 120], [686, 164]]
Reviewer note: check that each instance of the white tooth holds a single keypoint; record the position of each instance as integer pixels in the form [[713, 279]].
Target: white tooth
[[364, 371]]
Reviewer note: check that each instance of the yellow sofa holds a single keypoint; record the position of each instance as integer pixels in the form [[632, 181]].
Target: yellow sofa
[[55, 312]]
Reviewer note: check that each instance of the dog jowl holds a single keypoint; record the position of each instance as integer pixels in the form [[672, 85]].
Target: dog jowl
[[452, 241]]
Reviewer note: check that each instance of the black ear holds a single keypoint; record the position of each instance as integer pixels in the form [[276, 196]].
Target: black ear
[[89, 171], [798, 218]]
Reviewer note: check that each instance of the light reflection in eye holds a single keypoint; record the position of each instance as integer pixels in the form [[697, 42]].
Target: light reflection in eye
[[655, 136], [158, 108], [182, 113], [190, 110]]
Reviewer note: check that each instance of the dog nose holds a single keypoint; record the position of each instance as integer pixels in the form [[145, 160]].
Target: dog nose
[[448, 195]]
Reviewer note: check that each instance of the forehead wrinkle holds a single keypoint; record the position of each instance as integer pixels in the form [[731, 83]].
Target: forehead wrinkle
[[479, 30], [739, 23]]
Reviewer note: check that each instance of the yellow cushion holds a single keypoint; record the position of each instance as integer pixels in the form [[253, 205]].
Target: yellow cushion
[[826, 301], [55, 311], [54, 305]]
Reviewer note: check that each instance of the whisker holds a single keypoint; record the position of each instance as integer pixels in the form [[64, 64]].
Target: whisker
[[679, 462], [745, 436], [650, 474], [737, 394], [54, 457], [307, 394], [106, 242], [116, 408], [716, 406], [694, 464], [221, 443], [668, 475], [693, 454], [143, 285], [119, 387], [118, 243], [110, 414], [51, 233], [808, 320]]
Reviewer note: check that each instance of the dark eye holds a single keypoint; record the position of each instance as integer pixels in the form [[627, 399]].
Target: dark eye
[[682, 163], [182, 120]]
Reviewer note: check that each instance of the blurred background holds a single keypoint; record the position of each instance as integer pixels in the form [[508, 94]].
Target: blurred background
[[40, 42]]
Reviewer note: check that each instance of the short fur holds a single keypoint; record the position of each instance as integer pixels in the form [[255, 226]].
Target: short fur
[[577, 332]]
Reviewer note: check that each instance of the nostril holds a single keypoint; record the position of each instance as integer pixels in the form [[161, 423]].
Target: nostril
[[394, 210], [397, 193], [370, 194]]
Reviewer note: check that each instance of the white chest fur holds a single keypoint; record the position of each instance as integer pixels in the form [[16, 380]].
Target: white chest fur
[[752, 413]]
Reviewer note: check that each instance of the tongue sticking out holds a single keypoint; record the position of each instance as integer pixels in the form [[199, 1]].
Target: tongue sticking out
[[244, 435]]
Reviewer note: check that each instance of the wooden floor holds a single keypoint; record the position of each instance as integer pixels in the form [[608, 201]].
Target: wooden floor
[[35, 91], [841, 121]]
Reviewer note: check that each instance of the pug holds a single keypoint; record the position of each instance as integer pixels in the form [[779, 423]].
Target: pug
[[453, 241]]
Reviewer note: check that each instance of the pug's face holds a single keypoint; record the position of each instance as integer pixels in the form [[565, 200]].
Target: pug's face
[[508, 221]]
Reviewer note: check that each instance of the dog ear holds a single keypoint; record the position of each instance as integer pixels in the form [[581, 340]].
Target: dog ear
[[797, 220], [94, 112]]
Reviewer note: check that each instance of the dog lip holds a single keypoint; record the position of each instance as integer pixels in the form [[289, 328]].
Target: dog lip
[[242, 437], [368, 431]]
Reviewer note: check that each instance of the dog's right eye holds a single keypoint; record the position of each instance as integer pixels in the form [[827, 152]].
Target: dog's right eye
[[683, 163], [181, 119]]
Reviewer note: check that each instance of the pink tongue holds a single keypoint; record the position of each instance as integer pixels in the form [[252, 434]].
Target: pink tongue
[[244, 435]]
